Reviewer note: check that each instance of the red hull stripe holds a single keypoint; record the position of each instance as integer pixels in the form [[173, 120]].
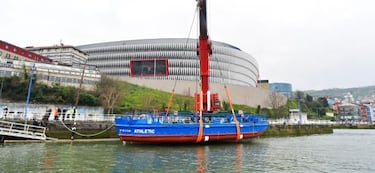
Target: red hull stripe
[[184, 138]]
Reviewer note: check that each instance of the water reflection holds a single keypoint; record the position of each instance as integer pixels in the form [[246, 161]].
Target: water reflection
[[181, 158], [344, 151], [20, 157], [115, 157], [49, 158], [205, 164], [238, 157], [200, 159]]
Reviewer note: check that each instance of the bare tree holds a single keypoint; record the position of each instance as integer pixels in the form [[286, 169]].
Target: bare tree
[[110, 93], [276, 101], [110, 96]]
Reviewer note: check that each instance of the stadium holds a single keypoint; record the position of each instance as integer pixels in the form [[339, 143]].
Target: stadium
[[159, 63]]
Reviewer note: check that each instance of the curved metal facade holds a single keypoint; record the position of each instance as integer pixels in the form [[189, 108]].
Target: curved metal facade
[[228, 64]]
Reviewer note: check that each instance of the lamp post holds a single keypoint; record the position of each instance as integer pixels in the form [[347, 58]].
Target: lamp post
[[299, 112], [29, 91]]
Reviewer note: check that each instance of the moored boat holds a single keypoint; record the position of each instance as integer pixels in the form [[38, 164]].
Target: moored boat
[[174, 128], [205, 124]]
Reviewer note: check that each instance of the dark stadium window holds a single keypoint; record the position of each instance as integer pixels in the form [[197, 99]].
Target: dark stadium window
[[154, 67]]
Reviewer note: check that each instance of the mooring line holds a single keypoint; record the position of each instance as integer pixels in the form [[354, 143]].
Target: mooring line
[[86, 135]]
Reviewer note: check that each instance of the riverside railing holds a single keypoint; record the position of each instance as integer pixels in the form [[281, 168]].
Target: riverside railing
[[77, 117], [317, 122], [22, 130]]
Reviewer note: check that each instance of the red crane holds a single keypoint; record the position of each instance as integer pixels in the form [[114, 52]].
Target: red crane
[[209, 101]]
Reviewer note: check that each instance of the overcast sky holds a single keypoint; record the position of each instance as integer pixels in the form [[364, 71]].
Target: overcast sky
[[312, 44]]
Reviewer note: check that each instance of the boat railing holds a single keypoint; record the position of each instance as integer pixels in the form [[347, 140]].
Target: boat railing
[[162, 118]]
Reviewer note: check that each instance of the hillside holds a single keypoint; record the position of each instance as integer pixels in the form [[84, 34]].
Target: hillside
[[139, 98], [142, 98], [359, 92]]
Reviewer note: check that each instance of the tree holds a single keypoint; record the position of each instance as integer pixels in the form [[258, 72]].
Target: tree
[[320, 106], [258, 109], [15, 88], [309, 98], [275, 102], [88, 99], [109, 92], [299, 95], [25, 74], [323, 101]]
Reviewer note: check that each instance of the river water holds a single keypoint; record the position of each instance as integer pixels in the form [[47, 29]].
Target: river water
[[343, 151]]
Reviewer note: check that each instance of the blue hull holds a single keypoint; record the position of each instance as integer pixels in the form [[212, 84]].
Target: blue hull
[[185, 129]]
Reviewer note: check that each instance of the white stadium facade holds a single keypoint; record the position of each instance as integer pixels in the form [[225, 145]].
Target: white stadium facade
[[160, 63]]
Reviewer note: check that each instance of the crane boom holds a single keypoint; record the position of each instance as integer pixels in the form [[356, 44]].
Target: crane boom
[[210, 102]]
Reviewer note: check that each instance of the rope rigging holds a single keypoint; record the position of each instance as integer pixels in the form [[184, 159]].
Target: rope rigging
[[191, 26], [200, 130], [86, 135], [170, 99], [175, 82], [238, 130]]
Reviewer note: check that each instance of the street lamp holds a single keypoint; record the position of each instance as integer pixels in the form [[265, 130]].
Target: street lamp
[[28, 92]]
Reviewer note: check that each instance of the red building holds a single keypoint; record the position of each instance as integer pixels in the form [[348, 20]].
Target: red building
[[10, 51], [363, 113]]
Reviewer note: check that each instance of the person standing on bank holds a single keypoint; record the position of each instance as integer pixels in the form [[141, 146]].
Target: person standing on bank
[[74, 129], [74, 112], [56, 114], [5, 112], [35, 123]]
